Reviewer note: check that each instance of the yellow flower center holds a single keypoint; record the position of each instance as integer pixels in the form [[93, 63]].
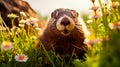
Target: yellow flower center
[[7, 45], [30, 19], [116, 24], [115, 4]]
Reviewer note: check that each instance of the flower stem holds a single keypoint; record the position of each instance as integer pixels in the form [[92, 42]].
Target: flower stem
[[12, 21], [105, 22]]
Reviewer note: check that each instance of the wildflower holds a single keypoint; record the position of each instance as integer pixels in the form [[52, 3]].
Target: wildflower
[[22, 22], [31, 20], [21, 25], [12, 16], [23, 14], [95, 15], [14, 28], [115, 4], [115, 25], [94, 8], [108, 4], [33, 37], [91, 40], [21, 58], [6, 45], [89, 21]]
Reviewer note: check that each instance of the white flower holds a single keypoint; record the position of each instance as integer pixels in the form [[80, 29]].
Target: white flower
[[22, 21], [31, 20], [96, 15], [12, 16], [21, 25], [21, 58], [91, 41], [94, 7], [23, 14], [6, 45], [115, 4], [115, 25]]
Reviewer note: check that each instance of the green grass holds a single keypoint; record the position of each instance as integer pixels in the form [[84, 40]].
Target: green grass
[[105, 53]]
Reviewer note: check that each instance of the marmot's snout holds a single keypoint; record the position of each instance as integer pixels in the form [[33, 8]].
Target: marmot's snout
[[65, 25], [65, 21]]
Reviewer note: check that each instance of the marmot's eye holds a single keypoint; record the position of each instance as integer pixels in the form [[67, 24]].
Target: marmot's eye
[[74, 14], [54, 14]]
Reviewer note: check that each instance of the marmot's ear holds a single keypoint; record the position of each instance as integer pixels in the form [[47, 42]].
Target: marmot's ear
[[54, 14], [75, 14]]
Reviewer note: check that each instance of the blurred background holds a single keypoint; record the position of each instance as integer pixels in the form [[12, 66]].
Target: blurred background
[[45, 7]]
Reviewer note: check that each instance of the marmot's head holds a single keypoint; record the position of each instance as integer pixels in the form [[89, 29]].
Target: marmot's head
[[65, 20], [65, 32]]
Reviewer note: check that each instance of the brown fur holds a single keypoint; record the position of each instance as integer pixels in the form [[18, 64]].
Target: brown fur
[[72, 44]]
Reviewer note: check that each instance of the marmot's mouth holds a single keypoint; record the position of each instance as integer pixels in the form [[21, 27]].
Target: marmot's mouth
[[65, 32]]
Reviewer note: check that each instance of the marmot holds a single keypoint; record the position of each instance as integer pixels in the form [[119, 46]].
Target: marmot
[[65, 33]]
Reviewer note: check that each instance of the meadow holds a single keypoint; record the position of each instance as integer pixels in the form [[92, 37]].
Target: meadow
[[19, 47]]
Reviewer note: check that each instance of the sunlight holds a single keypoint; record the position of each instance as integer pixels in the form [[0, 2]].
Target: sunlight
[[46, 6]]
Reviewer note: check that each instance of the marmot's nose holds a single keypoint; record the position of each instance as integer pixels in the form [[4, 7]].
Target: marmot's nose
[[65, 21]]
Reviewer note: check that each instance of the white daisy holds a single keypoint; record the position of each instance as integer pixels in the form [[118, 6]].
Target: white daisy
[[31, 20], [115, 25], [6, 45], [21, 58], [91, 41]]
